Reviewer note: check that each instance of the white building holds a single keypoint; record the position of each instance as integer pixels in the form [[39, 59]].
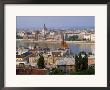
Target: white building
[[19, 62], [92, 37], [21, 50], [21, 34], [52, 33], [44, 30], [87, 36], [58, 37]]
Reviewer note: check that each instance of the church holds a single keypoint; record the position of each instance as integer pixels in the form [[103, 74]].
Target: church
[[44, 30]]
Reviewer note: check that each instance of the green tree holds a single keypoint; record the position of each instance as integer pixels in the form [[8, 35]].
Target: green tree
[[89, 71], [40, 62], [90, 53], [73, 38], [85, 62], [81, 61], [77, 63], [16, 53], [56, 71], [18, 37]]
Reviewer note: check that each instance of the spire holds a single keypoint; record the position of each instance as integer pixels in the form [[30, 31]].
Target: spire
[[45, 27], [62, 38], [63, 42]]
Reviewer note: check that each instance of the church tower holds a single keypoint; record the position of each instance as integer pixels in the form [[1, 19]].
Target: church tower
[[44, 30], [64, 45]]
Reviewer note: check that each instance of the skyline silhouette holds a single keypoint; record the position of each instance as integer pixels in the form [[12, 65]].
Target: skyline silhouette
[[55, 21]]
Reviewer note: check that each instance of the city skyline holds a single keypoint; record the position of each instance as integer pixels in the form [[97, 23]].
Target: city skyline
[[55, 21], [55, 51]]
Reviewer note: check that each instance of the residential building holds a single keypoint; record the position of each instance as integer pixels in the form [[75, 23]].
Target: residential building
[[21, 33], [91, 61], [25, 36], [21, 50], [32, 60], [66, 64], [19, 58], [93, 37], [33, 51], [87, 36]]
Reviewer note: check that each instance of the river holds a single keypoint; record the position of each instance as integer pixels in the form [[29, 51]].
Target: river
[[73, 46]]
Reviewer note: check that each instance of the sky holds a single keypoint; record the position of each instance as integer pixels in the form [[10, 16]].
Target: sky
[[54, 21]]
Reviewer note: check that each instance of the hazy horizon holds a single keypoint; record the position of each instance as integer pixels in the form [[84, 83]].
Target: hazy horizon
[[55, 21]]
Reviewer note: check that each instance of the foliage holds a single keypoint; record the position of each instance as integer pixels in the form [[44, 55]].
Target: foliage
[[90, 71], [16, 53], [72, 38], [56, 71], [40, 62], [90, 53], [81, 61], [81, 65], [18, 37]]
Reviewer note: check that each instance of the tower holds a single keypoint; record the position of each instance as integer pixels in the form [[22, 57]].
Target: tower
[[36, 35], [64, 45], [44, 30]]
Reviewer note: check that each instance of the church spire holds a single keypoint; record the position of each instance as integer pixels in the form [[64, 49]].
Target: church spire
[[45, 27], [63, 42]]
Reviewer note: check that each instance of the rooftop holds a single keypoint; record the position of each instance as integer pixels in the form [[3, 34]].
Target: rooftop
[[32, 55], [56, 53], [19, 56], [66, 61]]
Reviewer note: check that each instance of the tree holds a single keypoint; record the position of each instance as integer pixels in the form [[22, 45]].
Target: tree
[[85, 62], [56, 71], [19, 37], [73, 38], [81, 65], [16, 53], [77, 64], [40, 62], [81, 61], [89, 71], [90, 53]]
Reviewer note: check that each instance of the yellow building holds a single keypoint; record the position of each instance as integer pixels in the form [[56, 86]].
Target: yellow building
[[19, 58], [32, 60]]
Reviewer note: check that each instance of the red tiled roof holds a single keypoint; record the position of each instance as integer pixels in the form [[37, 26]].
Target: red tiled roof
[[31, 71]]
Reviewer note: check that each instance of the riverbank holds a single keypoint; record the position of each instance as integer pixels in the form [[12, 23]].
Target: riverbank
[[43, 41], [80, 42]]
